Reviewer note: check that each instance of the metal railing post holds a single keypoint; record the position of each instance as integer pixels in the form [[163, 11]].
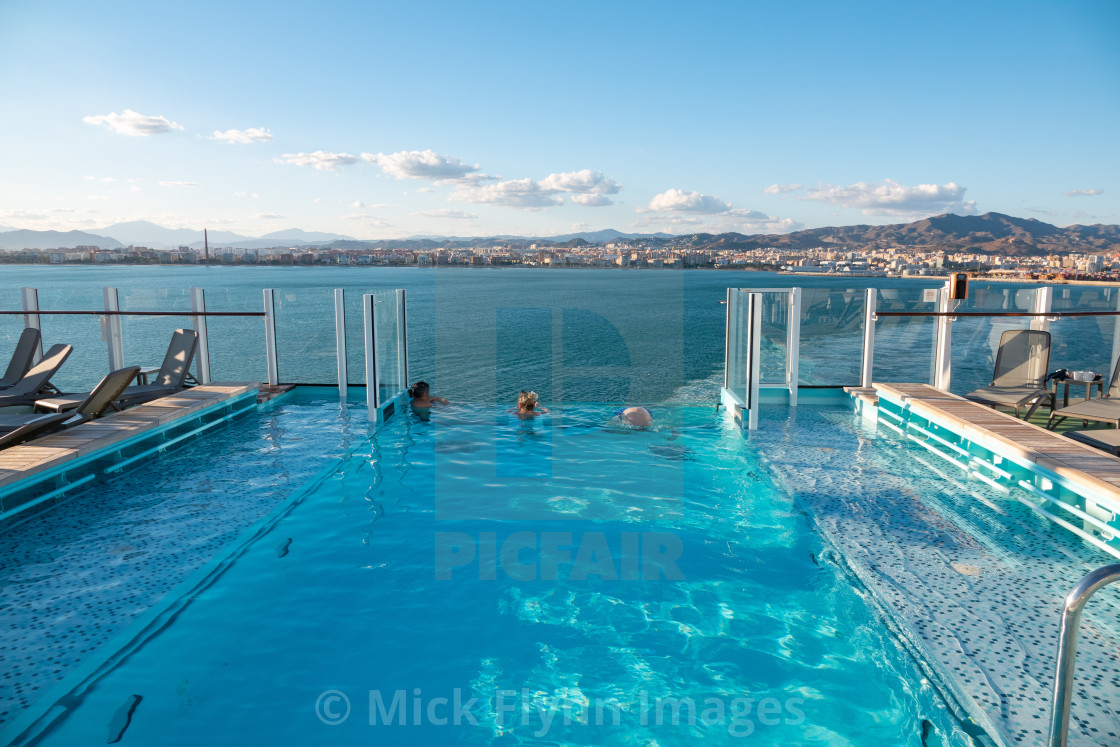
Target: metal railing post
[[1043, 302], [270, 337], [943, 343], [111, 329], [30, 318], [754, 347], [868, 362], [370, 336], [793, 343], [202, 359], [1067, 649], [402, 342], [340, 339]]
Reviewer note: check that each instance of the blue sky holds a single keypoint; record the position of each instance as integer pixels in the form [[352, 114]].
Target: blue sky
[[381, 120]]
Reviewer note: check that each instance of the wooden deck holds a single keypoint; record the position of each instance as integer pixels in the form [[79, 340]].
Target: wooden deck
[[1007, 435], [19, 462]]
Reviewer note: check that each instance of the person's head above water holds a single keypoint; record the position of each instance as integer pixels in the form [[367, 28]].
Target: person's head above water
[[526, 400], [637, 416], [419, 390]]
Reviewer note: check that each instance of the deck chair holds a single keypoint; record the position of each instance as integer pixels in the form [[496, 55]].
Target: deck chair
[[37, 381], [22, 357], [39, 425], [99, 401], [172, 377], [1019, 377], [1107, 439], [1105, 409]]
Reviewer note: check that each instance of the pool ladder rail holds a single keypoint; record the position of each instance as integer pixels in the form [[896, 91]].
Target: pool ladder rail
[[1067, 649]]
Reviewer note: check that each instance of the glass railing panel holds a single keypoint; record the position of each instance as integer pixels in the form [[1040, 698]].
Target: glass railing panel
[[1090, 343], [388, 345], [904, 344], [773, 348], [736, 347], [89, 362], [831, 336], [237, 344], [976, 339], [145, 338], [305, 338]]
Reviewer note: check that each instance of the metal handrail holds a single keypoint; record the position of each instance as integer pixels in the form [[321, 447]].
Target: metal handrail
[[1047, 314], [1067, 649], [38, 312]]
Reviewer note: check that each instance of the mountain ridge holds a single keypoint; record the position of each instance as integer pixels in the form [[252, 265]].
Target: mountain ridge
[[990, 233]]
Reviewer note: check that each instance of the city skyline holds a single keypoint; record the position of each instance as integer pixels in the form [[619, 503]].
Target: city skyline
[[375, 122]]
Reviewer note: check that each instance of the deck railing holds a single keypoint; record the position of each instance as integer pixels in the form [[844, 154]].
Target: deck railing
[[851, 337], [295, 350]]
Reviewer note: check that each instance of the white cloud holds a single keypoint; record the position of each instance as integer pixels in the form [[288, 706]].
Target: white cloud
[[357, 204], [178, 184], [251, 135], [133, 123], [252, 195], [679, 201], [450, 214], [781, 189], [592, 200], [680, 210], [320, 159], [424, 164], [585, 182], [1083, 192], [888, 197], [517, 193], [269, 216], [587, 188]]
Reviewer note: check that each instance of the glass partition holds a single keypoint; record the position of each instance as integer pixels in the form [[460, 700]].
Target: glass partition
[[904, 344], [831, 336], [1089, 343], [773, 347], [305, 338], [976, 339], [736, 373], [389, 336]]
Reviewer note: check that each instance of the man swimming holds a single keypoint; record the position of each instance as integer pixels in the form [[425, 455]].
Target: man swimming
[[638, 417]]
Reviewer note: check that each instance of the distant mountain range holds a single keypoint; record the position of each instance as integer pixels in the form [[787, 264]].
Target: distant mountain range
[[991, 233]]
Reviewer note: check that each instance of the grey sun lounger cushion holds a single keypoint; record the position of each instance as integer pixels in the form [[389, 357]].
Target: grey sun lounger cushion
[[1102, 438], [96, 404], [1019, 377], [37, 381], [40, 425], [171, 378], [22, 357]]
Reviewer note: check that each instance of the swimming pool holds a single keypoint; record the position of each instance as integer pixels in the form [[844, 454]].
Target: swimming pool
[[562, 580]]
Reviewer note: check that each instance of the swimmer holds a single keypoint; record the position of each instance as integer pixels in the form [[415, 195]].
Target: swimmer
[[421, 396], [638, 417], [527, 405]]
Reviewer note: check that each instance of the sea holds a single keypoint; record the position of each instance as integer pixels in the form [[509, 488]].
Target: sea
[[572, 335]]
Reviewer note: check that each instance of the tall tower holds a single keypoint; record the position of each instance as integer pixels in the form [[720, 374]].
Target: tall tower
[[206, 244]]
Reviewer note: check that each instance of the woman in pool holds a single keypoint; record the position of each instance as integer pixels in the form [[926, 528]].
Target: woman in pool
[[527, 405], [422, 398]]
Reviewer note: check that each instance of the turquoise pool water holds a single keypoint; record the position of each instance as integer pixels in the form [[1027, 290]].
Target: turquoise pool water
[[564, 580]]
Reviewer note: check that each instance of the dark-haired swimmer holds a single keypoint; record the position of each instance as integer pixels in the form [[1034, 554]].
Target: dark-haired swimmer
[[421, 396]]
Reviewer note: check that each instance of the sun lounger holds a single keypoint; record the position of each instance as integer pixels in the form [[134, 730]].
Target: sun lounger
[[37, 381], [22, 357], [1019, 377], [172, 377], [99, 401], [1105, 409], [40, 425], [1102, 438]]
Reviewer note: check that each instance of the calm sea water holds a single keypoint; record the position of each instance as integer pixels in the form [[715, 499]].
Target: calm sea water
[[648, 336]]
